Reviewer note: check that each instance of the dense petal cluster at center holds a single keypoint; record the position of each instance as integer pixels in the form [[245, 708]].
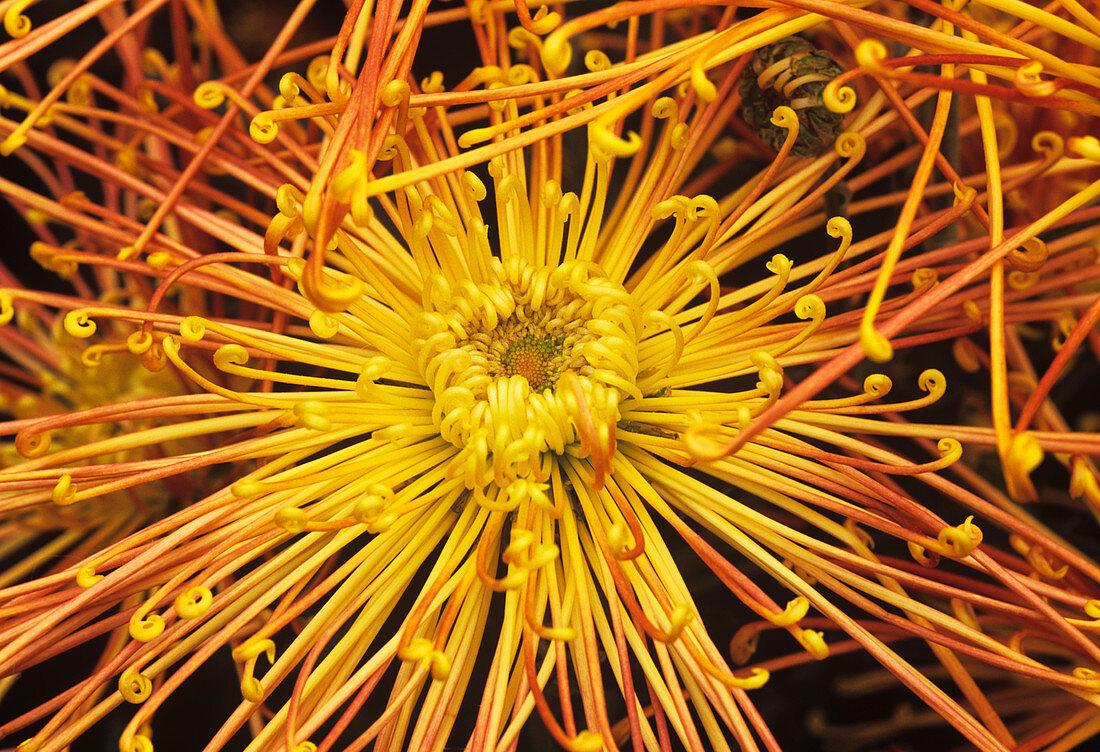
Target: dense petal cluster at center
[[527, 364]]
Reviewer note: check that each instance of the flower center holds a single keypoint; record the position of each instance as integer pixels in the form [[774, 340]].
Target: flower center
[[529, 364], [538, 359]]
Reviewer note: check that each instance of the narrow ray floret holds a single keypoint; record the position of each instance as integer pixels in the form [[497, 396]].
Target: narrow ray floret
[[505, 372]]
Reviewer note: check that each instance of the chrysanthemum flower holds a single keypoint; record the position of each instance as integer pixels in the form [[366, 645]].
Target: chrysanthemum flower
[[486, 415], [52, 377], [48, 376]]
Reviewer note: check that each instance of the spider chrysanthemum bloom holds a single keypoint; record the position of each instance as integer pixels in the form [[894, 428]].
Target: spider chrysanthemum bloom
[[488, 411], [47, 377], [57, 376]]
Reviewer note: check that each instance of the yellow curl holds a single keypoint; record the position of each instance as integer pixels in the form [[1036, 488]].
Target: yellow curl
[[1029, 257], [850, 145], [556, 52], [957, 542], [877, 385], [758, 679], [1023, 455], [603, 141], [586, 741], [1090, 677], [139, 342], [814, 643], [794, 612], [837, 98], [924, 277], [252, 689], [877, 346], [1049, 144], [63, 493], [264, 128], [33, 444], [292, 519], [136, 743], [134, 686], [145, 627], [1086, 146], [15, 23], [701, 447], [1029, 81], [253, 648], [86, 576], [785, 117], [870, 53], [596, 60], [194, 602], [79, 324], [396, 92], [703, 86], [1082, 481], [323, 325], [7, 307], [210, 94], [421, 649], [193, 328]]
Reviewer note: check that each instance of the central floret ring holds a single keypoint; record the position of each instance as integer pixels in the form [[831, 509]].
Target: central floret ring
[[531, 363]]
